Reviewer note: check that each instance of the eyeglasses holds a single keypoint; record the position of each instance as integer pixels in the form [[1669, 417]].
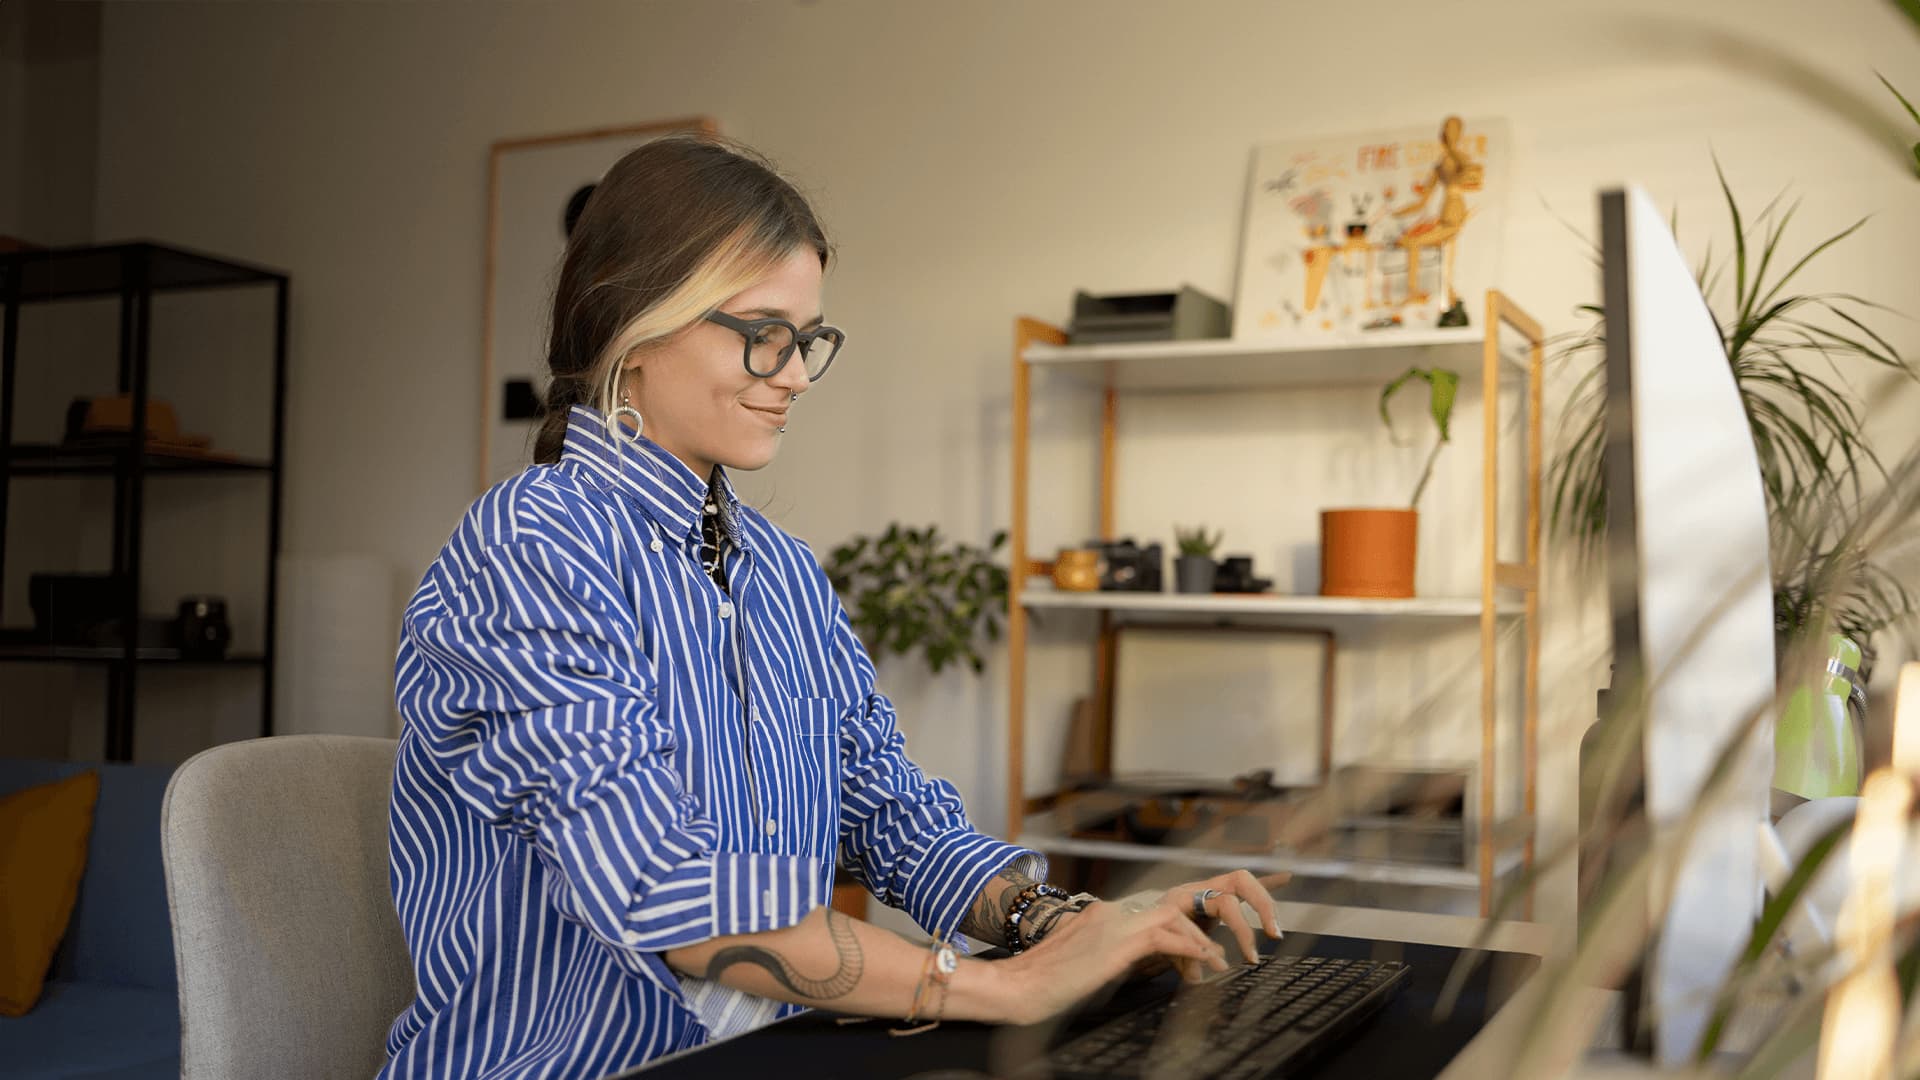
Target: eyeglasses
[[770, 343]]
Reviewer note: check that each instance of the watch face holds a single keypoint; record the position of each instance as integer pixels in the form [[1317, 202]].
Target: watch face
[[946, 961]]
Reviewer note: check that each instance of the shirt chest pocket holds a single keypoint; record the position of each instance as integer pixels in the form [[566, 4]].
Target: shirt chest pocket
[[805, 734]]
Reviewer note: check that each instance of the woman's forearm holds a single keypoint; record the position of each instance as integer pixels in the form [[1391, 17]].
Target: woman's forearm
[[986, 917], [832, 961]]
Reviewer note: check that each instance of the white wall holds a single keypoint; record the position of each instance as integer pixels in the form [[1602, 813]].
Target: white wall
[[974, 162]]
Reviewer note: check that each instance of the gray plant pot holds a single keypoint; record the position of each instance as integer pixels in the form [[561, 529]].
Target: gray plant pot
[[1194, 573]]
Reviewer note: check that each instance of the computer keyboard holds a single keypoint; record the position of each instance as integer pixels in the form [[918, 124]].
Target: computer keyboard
[[1255, 1022]]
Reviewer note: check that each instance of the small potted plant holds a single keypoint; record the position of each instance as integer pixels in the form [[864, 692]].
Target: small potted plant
[[1193, 570], [1372, 552]]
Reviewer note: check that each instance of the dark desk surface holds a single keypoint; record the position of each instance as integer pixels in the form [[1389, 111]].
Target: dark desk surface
[[1404, 1040]]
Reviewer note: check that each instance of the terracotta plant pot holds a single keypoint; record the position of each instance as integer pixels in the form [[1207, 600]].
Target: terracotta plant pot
[[1368, 552]]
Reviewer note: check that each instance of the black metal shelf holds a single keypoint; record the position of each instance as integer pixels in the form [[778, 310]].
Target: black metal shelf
[[77, 273], [113, 654], [29, 459], [133, 273]]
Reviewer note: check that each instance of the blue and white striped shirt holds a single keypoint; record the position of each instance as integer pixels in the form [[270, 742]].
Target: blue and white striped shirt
[[606, 756]]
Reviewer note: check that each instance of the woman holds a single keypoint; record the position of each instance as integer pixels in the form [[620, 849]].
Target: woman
[[639, 731]]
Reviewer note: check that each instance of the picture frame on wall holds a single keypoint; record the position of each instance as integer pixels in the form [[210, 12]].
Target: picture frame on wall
[[536, 186], [1359, 237]]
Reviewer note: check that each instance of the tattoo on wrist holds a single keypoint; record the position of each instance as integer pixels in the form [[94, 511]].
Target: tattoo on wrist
[[837, 985], [987, 919]]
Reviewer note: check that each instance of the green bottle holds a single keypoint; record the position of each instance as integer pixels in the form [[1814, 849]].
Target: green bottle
[[1817, 739]]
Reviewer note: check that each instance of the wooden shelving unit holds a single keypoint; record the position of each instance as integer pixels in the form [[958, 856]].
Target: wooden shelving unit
[[1509, 591]]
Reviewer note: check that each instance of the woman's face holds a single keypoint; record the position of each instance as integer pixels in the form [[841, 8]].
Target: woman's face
[[694, 393]]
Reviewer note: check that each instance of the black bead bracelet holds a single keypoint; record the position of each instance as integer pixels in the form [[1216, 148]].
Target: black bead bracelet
[[1018, 911]]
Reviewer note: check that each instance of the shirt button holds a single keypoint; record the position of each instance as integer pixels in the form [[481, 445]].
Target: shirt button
[[657, 546], [772, 826], [753, 713], [631, 937], [766, 901], [726, 608]]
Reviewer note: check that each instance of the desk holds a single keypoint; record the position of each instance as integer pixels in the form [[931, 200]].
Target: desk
[[1403, 1041]]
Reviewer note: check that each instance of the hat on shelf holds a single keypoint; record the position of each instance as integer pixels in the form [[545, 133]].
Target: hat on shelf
[[107, 421]]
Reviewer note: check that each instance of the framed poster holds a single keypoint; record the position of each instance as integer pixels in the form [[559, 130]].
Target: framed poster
[[1357, 236], [536, 187]]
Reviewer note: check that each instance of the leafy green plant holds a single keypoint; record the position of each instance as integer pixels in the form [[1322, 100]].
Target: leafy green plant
[[1196, 541], [1911, 8], [1784, 350], [1911, 111], [1445, 386], [911, 591], [1624, 905]]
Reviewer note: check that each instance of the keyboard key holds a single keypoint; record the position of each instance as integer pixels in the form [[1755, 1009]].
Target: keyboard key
[[1250, 1023]]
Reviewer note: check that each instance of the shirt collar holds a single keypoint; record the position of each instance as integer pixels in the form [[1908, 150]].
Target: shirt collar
[[662, 485]]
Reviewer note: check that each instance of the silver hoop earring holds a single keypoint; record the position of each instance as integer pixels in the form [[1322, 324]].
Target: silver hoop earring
[[618, 430]]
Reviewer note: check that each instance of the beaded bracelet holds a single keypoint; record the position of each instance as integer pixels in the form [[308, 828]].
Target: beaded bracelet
[[1018, 911]]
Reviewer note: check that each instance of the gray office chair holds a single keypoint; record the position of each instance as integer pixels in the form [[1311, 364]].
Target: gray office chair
[[290, 955]]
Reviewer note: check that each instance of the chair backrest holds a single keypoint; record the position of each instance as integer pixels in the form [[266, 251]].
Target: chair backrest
[[290, 954]]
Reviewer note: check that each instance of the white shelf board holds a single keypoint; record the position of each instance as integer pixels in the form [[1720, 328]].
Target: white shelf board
[[1040, 835], [1042, 597], [1231, 364]]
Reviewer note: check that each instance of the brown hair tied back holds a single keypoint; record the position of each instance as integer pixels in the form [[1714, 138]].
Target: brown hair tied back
[[673, 230]]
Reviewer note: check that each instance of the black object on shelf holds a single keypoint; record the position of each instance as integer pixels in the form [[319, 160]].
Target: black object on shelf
[[133, 272], [1127, 567], [201, 630], [1170, 316], [1234, 574], [74, 608]]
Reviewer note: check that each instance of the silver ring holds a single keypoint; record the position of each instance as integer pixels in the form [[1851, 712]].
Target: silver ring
[[1200, 902]]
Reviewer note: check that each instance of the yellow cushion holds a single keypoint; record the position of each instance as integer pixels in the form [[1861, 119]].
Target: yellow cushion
[[43, 852]]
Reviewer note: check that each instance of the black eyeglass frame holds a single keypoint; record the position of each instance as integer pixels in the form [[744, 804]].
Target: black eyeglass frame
[[802, 342]]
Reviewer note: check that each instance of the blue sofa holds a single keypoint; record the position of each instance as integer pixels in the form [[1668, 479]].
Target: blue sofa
[[111, 1008]]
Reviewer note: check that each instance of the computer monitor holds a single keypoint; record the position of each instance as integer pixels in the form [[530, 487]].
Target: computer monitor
[[1691, 602]]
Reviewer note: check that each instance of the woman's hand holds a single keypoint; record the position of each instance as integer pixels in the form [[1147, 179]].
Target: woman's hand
[[1085, 951], [1220, 901]]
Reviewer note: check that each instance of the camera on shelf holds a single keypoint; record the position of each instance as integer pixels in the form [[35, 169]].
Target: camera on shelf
[[1234, 574], [1127, 567]]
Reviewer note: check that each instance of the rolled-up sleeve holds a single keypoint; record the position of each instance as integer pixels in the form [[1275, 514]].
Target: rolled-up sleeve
[[904, 835], [528, 686]]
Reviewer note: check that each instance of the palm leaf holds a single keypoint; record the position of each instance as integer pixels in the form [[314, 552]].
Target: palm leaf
[[1805, 423], [1912, 8], [1739, 243], [1781, 283]]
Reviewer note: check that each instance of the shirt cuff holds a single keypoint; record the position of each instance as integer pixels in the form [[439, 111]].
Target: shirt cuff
[[951, 871], [757, 892]]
